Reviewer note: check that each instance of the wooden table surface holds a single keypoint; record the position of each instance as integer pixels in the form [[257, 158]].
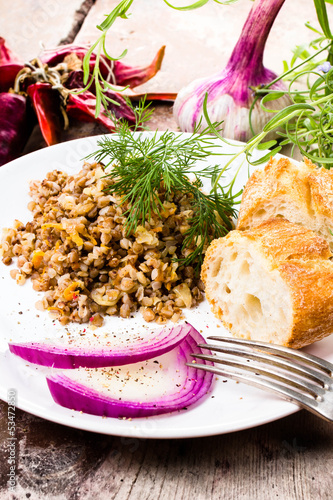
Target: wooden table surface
[[290, 459]]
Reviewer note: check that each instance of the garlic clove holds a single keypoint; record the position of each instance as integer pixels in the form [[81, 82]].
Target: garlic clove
[[230, 92]]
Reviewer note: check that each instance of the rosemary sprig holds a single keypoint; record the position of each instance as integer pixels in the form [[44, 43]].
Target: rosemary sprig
[[142, 166], [101, 85], [308, 123], [199, 3], [99, 47], [283, 117]]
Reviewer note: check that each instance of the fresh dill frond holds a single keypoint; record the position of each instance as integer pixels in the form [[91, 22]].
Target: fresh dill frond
[[211, 219], [141, 165]]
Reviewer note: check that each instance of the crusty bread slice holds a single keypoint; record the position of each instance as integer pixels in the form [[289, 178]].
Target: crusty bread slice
[[300, 193], [273, 283]]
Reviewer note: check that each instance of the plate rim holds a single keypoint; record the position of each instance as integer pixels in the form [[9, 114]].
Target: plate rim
[[287, 408]]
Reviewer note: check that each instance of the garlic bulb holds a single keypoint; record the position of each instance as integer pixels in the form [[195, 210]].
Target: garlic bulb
[[230, 92]]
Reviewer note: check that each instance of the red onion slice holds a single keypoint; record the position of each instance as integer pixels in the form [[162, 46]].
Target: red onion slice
[[160, 385], [105, 350]]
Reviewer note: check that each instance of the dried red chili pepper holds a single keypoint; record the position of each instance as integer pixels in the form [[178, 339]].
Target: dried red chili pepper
[[137, 75], [120, 110], [40, 76], [47, 105], [82, 107], [10, 65], [113, 71], [15, 127]]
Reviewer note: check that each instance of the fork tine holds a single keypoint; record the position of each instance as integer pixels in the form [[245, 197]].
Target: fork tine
[[281, 362], [285, 392], [259, 369], [296, 376], [317, 363]]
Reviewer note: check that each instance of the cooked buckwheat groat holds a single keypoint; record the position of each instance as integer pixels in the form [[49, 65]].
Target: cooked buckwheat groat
[[78, 251]]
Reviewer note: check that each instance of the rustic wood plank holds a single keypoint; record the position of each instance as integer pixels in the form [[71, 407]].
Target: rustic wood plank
[[290, 459]]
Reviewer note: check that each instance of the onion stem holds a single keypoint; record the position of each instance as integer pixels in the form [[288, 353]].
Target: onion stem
[[248, 51]]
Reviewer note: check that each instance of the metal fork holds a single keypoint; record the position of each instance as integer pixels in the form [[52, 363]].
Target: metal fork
[[297, 376]]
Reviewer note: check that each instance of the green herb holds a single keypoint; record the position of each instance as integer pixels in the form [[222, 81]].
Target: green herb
[[308, 123], [101, 85], [199, 3], [140, 165], [256, 143], [99, 47]]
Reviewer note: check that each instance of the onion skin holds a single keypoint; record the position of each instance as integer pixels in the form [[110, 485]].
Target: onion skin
[[80, 397], [10, 65], [70, 356], [15, 126], [229, 93]]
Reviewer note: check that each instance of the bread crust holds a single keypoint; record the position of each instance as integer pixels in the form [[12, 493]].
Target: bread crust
[[311, 286], [279, 240], [301, 193], [302, 260], [278, 179]]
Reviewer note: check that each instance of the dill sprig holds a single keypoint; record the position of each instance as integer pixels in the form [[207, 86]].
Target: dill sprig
[[207, 210], [141, 166]]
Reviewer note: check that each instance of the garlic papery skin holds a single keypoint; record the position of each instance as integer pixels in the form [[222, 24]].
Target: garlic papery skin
[[230, 92]]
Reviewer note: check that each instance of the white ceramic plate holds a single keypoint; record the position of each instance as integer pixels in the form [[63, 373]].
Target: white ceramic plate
[[230, 407]]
